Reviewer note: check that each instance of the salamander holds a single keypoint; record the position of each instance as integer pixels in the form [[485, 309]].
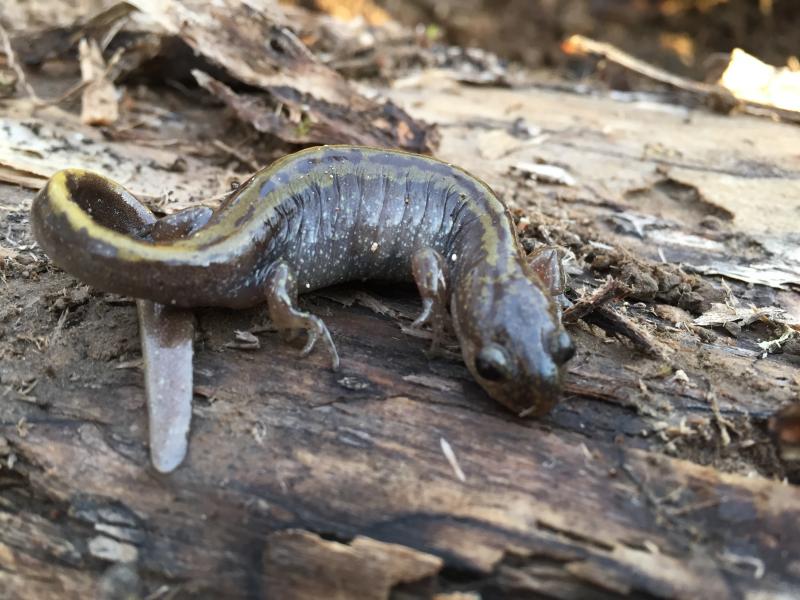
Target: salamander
[[319, 217]]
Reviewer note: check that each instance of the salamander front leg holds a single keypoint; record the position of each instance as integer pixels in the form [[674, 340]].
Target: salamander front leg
[[546, 263], [428, 267], [285, 314]]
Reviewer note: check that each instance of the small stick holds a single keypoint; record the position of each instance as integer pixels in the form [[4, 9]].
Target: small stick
[[578, 44], [237, 154], [720, 97], [608, 319], [78, 87], [641, 338], [11, 57], [612, 289], [722, 422]]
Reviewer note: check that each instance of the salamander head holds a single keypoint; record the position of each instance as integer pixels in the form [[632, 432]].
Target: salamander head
[[515, 345]]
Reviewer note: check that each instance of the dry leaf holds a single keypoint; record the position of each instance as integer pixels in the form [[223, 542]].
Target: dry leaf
[[7, 253], [721, 314], [31, 150]]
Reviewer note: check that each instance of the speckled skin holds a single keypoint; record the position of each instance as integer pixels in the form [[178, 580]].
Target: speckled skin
[[328, 215]]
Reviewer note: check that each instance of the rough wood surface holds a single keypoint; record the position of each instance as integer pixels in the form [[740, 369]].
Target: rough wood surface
[[253, 43], [652, 478]]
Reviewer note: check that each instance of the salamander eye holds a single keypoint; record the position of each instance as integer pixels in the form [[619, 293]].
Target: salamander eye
[[493, 363], [562, 348]]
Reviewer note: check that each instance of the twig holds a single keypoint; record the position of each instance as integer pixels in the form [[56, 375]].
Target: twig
[[592, 309], [78, 87], [75, 89], [237, 154], [447, 450], [11, 57], [722, 422], [112, 62], [719, 97], [611, 320], [612, 289], [112, 32], [578, 44], [99, 102]]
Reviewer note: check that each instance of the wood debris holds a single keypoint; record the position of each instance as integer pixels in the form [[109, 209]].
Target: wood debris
[[13, 64], [552, 174], [722, 314], [718, 96], [614, 321], [612, 289], [578, 44], [447, 450], [99, 104], [244, 340], [310, 102], [33, 149]]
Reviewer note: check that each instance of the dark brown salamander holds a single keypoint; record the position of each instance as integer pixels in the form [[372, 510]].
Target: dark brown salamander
[[323, 216]]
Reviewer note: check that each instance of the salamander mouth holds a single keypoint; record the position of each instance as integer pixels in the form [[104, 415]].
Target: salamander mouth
[[539, 408], [525, 400], [531, 399]]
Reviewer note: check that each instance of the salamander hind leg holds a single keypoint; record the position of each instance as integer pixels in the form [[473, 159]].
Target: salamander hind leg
[[281, 287], [428, 268], [178, 225]]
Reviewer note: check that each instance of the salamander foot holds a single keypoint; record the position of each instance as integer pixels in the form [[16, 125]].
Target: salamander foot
[[546, 263], [285, 314]]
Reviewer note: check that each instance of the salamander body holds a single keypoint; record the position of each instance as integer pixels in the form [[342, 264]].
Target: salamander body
[[323, 216]]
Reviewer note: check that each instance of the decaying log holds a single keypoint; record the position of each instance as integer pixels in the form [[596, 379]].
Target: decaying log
[[654, 477], [253, 43]]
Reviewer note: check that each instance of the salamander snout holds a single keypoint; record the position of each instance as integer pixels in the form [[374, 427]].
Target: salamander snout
[[513, 341], [522, 367]]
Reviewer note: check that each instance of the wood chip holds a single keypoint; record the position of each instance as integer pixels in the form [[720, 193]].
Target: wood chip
[[110, 549], [722, 314], [546, 173], [99, 104], [447, 450]]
